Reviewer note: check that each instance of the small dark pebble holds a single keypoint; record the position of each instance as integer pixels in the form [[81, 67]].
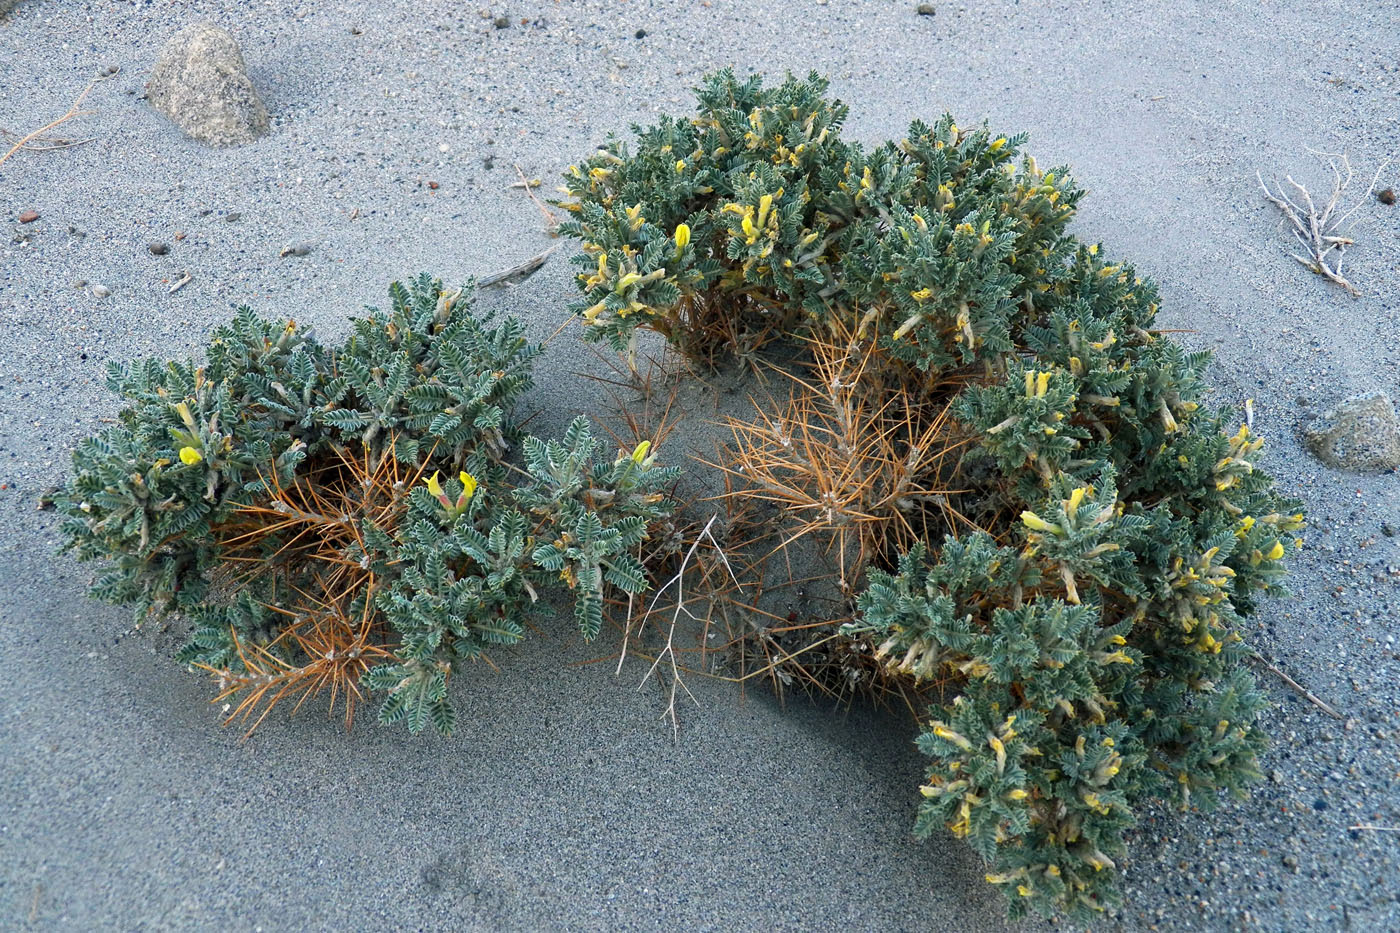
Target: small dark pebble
[[1386, 195], [640, 34], [1319, 804], [433, 185], [29, 216], [158, 249], [924, 9], [502, 22], [233, 217], [489, 161], [1388, 529], [356, 31]]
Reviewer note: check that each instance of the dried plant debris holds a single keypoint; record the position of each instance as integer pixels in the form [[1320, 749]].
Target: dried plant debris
[[1324, 232]]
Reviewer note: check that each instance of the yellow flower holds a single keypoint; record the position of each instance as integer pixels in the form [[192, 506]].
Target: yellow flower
[[1099, 860], [468, 485], [1000, 749], [627, 280], [190, 456], [1036, 523], [682, 236], [640, 452], [948, 735], [1276, 551], [434, 486]]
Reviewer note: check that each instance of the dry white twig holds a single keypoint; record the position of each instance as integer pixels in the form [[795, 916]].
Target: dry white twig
[[551, 223], [1311, 697], [668, 651], [45, 142], [521, 271], [1320, 232]]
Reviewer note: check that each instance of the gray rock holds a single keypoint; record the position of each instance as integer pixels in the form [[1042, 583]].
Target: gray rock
[[1360, 433], [202, 85]]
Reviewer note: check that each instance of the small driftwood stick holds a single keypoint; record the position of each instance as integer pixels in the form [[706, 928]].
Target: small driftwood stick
[[1304, 691], [522, 271]]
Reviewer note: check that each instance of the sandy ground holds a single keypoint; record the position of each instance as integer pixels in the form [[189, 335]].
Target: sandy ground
[[563, 802]]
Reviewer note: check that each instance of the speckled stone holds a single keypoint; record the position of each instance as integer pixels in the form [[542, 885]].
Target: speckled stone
[[202, 85], [1359, 433]]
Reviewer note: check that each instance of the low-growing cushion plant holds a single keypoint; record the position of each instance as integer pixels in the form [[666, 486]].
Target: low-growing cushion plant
[[1110, 529], [331, 518]]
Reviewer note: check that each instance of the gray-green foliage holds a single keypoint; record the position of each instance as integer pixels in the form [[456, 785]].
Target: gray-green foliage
[[1093, 623], [757, 204], [449, 567]]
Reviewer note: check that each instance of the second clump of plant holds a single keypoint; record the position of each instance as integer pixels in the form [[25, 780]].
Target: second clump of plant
[[1023, 495]]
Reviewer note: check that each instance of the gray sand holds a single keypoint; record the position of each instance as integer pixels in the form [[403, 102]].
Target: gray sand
[[563, 802]]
